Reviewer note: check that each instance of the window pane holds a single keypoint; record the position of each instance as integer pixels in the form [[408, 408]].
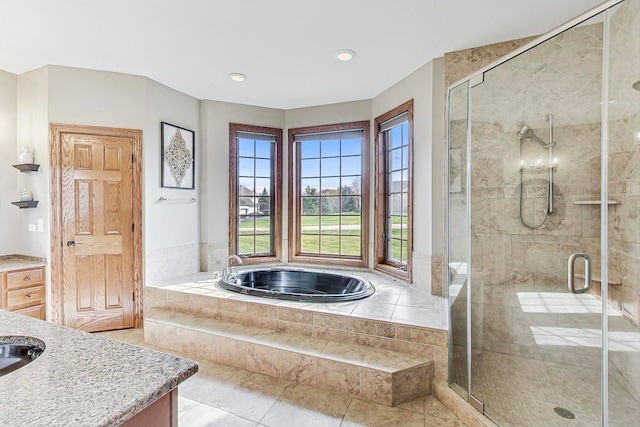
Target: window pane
[[330, 245], [310, 205], [246, 186], [311, 224], [310, 186], [310, 149], [263, 244], [245, 166], [396, 250], [351, 147], [245, 244], [351, 165], [331, 147], [330, 205], [331, 166], [405, 157], [245, 147], [405, 228], [395, 159], [330, 224], [350, 225], [350, 245], [263, 167], [263, 186], [396, 137], [405, 180], [351, 205], [245, 224], [310, 243], [395, 186], [353, 185], [395, 204], [264, 206], [330, 186], [263, 149], [310, 168], [405, 203]]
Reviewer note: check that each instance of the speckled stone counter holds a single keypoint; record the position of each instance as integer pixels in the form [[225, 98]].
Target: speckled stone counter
[[18, 262], [83, 379]]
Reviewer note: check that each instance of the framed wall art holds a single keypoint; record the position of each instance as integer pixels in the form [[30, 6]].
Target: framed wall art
[[178, 157]]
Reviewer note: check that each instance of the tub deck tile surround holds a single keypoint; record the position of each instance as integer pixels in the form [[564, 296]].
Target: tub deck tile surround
[[329, 346]]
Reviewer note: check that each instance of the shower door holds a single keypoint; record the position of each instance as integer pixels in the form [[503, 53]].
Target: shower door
[[536, 125], [544, 177]]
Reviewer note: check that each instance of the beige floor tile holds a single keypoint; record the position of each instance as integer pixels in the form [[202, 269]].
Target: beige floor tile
[[372, 415], [305, 406], [195, 414], [246, 394]]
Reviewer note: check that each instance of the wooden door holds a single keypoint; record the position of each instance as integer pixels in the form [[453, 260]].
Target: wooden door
[[97, 220]]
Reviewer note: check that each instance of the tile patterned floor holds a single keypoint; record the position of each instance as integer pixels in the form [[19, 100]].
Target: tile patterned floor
[[220, 395]]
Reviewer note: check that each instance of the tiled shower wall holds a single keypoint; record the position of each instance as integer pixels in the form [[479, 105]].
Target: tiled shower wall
[[624, 160], [624, 186], [560, 77], [508, 259]]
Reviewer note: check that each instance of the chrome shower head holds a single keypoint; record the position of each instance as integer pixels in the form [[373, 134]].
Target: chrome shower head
[[526, 132]]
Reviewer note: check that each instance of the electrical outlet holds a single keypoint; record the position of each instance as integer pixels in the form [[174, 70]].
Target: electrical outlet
[[32, 228], [40, 225]]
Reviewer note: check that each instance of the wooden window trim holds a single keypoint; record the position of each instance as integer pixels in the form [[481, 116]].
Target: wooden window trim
[[276, 217], [295, 198], [380, 208]]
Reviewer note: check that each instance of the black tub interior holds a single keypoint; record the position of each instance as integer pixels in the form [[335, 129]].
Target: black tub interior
[[298, 285]]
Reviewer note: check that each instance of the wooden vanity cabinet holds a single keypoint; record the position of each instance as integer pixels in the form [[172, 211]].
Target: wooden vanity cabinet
[[23, 292]]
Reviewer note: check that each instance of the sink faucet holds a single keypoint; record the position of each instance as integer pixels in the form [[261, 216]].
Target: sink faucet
[[229, 268]]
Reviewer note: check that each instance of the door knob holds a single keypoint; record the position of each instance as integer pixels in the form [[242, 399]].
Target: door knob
[[71, 243]]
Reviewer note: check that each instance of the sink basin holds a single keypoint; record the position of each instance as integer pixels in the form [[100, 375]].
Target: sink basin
[[17, 351]]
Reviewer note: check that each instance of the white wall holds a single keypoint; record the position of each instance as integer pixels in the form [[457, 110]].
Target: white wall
[[9, 214], [426, 87], [33, 130], [171, 230], [215, 117]]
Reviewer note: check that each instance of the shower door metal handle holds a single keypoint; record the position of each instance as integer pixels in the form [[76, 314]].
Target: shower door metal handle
[[572, 270]]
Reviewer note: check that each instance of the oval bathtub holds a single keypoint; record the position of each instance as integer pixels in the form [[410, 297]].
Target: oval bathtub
[[298, 285]]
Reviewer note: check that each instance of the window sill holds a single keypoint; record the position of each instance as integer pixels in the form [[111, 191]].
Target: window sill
[[325, 260], [393, 271], [260, 260]]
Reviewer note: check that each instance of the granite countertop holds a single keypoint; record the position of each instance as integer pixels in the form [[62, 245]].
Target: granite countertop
[[19, 262], [83, 379]]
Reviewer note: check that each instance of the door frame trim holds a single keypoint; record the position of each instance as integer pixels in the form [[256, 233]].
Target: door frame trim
[[55, 164]]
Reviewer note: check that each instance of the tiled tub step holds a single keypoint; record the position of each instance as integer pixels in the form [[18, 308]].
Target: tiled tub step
[[369, 373]]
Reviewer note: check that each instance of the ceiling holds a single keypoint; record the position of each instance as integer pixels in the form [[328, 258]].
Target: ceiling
[[285, 47]]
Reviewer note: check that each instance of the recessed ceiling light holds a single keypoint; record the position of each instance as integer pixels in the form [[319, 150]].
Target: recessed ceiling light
[[237, 77], [345, 55]]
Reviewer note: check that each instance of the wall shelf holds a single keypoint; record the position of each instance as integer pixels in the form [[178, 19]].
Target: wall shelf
[[27, 167], [26, 205]]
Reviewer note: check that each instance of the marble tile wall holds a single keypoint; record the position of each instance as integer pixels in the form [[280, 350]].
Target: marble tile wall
[[213, 256], [169, 263], [624, 185]]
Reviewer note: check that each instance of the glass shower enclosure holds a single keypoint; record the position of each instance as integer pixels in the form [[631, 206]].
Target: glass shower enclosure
[[544, 227]]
